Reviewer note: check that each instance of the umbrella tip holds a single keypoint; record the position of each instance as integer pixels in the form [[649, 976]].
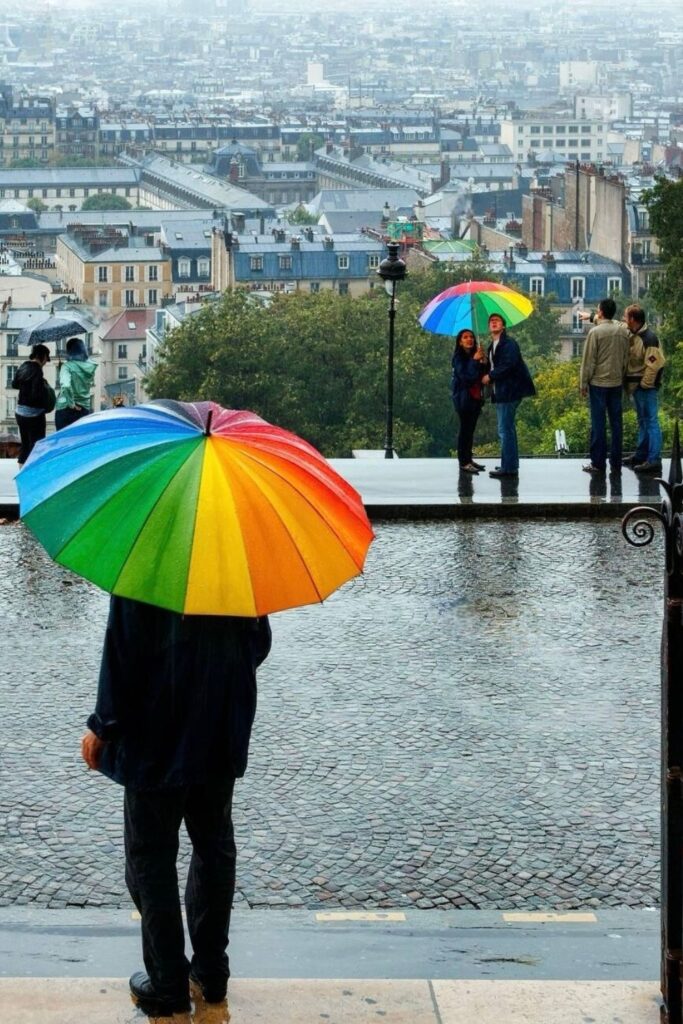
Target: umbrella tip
[[207, 429]]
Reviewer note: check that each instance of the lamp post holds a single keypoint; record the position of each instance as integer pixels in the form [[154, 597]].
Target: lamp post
[[391, 270]]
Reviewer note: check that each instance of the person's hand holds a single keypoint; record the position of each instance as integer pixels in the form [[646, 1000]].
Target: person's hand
[[480, 355], [584, 392], [584, 314], [91, 749], [486, 379]]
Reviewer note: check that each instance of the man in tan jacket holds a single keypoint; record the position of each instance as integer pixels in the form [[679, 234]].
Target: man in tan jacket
[[643, 380], [603, 371]]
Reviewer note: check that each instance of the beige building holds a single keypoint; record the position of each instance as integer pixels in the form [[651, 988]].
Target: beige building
[[27, 128], [110, 271], [568, 138], [123, 347]]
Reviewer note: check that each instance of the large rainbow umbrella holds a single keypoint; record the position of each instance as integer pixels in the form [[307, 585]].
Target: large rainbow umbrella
[[195, 508], [470, 305]]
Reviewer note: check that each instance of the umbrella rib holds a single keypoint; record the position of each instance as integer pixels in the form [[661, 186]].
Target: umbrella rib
[[329, 526]]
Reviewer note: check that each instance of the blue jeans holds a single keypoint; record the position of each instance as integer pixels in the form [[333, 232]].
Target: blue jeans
[[507, 432], [605, 403], [649, 446]]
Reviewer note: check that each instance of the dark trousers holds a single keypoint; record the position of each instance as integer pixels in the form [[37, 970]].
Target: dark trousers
[[152, 823], [65, 417], [605, 404], [468, 417], [31, 430]]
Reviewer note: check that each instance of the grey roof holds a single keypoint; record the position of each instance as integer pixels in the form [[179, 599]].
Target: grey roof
[[124, 254], [141, 219], [362, 199], [352, 220], [212, 190], [179, 234], [65, 177]]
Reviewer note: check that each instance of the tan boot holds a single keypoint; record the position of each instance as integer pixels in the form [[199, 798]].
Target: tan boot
[[207, 1013]]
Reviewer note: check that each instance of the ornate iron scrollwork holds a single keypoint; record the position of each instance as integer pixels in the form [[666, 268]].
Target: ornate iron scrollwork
[[637, 527], [638, 531]]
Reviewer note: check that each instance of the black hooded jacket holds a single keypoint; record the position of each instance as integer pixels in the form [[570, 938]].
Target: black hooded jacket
[[177, 695], [31, 384]]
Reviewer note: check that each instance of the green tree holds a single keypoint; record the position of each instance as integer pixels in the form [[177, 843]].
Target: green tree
[[106, 201], [307, 145], [37, 205], [665, 206], [301, 216]]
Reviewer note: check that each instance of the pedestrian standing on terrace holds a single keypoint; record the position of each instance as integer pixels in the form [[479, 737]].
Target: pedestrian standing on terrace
[[511, 382], [172, 722], [469, 365], [603, 372], [643, 381], [35, 398], [76, 375]]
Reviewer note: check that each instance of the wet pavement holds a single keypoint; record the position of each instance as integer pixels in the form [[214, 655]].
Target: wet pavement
[[474, 723]]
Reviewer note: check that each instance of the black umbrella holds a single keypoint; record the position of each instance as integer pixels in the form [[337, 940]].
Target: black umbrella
[[55, 327]]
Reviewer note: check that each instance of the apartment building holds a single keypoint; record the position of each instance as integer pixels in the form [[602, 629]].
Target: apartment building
[[111, 271], [567, 138]]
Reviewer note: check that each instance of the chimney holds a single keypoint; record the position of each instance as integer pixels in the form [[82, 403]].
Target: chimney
[[262, 225], [296, 243], [238, 223], [522, 250], [549, 260], [329, 146], [234, 170], [328, 242]]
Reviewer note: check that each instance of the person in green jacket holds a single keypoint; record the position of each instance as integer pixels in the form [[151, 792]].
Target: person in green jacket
[[76, 375]]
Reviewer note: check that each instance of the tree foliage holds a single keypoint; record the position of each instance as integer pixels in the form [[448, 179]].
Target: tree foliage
[[665, 205], [106, 201], [317, 364]]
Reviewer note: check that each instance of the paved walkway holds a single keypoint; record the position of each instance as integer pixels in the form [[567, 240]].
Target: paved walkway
[[293, 1001], [434, 487]]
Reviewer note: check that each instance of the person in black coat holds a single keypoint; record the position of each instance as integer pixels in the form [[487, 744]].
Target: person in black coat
[[469, 366], [175, 705], [511, 382], [35, 398]]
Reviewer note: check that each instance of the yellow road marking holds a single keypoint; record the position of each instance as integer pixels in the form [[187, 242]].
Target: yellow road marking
[[361, 915], [535, 916]]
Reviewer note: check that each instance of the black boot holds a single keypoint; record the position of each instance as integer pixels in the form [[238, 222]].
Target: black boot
[[154, 1006]]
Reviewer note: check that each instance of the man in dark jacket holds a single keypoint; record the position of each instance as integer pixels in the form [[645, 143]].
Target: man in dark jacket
[[32, 401], [175, 706], [511, 382]]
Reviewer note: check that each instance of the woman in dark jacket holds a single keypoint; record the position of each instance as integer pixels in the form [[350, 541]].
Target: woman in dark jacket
[[469, 366], [35, 398]]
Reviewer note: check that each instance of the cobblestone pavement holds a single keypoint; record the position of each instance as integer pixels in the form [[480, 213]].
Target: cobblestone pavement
[[473, 723]]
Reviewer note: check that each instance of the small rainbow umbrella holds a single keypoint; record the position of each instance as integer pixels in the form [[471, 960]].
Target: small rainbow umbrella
[[470, 305], [195, 508]]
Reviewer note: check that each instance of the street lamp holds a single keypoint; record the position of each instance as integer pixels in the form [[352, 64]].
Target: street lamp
[[391, 270]]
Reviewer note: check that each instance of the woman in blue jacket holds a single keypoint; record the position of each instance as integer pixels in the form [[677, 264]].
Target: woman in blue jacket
[[469, 366]]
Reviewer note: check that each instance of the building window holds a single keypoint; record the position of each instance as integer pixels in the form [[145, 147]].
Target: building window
[[130, 273], [585, 156], [577, 347], [343, 287], [153, 273], [578, 287], [183, 268], [256, 262], [577, 323], [315, 286], [343, 261], [613, 285], [536, 285], [152, 297], [123, 373], [103, 298], [285, 262], [203, 268], [72, 193], [373, 262], [102, 274], [10, 370], [121, 351], [129, 297], [535, 129], [11, 345]]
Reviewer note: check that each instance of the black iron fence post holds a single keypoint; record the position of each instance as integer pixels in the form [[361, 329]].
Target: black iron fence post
[[639, 532]]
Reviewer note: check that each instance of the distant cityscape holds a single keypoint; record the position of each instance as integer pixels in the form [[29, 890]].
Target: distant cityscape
[[151, 158]]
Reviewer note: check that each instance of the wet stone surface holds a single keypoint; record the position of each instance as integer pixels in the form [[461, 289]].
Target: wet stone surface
[[472, 724]]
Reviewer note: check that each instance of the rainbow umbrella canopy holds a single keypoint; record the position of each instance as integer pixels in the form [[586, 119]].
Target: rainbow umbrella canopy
[[194, 508], [470, 305]]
